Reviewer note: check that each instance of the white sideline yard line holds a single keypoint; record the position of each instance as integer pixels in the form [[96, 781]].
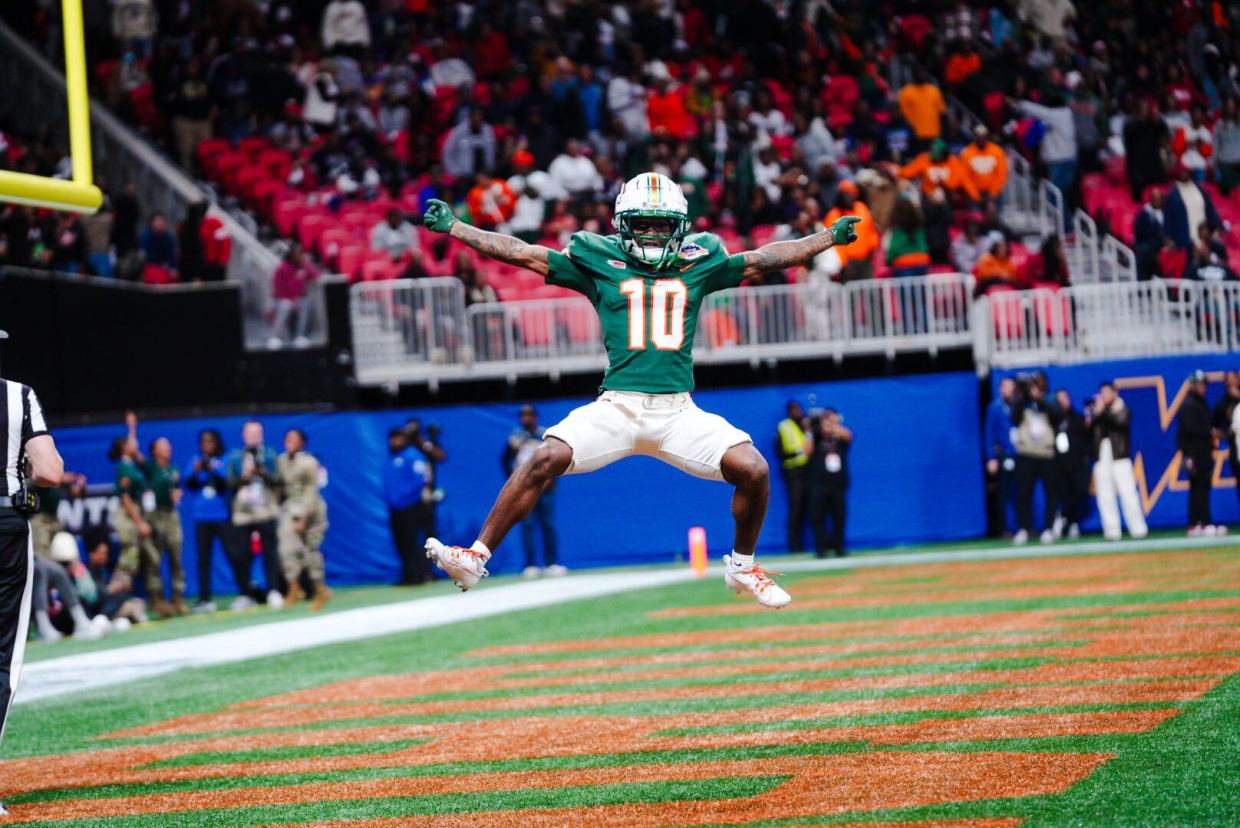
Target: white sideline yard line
[[88, 671]]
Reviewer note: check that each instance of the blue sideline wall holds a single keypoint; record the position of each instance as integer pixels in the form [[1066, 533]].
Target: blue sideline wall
[[1154, 390], [915, 469]]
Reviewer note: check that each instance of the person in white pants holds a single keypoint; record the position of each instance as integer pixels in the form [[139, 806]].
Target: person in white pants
[[1111, 429]]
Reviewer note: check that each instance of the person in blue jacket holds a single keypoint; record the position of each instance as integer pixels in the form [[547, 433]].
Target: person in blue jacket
[[408, 486], [1001, 456], [1186, 208], [206, 506]]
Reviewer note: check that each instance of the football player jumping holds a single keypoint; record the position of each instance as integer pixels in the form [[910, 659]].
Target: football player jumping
[[647, 283]]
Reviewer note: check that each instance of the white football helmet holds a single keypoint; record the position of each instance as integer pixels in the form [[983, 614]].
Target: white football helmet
[[651, 196]]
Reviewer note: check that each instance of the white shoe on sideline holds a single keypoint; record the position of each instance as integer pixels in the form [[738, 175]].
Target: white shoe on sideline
[[275, 600], [531, 572], [1048, 536], [89, 632], [121, 624], [242, 603], [757, 582], [466, 567], [1020, 538], [556, 571], [1074, 532], [1220, 531]]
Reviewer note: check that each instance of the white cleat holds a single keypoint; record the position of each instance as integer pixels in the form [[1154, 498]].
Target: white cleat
[[464, 566], [757, 582]]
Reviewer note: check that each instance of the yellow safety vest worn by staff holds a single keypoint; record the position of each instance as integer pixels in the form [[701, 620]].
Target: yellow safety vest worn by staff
[[792, 444]]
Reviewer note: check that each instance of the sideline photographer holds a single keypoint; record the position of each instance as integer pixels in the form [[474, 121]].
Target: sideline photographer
[[31, 460], [1035, 420], [827, 443]]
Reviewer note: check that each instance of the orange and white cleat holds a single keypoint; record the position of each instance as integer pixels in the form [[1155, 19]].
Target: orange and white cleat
[[757, 582], [464, 566]]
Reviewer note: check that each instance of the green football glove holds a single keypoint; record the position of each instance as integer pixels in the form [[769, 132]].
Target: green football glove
[[842, 231], [438, 216]]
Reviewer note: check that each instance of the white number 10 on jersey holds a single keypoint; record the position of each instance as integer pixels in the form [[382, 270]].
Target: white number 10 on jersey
[[668, 298]]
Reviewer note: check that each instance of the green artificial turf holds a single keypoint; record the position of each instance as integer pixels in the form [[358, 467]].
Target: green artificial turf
[[1185, 771]]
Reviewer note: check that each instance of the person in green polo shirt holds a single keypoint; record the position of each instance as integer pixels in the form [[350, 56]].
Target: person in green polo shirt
[[164, 480]]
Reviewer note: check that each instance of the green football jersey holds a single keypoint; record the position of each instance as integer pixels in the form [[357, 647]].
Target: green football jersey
[[648, 318]]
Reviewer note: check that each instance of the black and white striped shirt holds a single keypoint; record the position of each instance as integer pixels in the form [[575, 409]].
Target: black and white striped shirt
[[21, 419]]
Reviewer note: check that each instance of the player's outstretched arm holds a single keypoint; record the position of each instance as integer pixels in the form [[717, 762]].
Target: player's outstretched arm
[[510, 249], [785, 254]]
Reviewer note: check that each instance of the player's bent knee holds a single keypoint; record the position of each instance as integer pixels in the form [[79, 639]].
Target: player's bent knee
[[745, 466], [550, 460]]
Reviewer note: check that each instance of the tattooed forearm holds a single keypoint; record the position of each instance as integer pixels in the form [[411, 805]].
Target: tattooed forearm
[[784, 254], [502, 247]]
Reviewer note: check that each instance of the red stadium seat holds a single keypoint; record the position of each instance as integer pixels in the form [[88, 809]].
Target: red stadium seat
[[311, 228], [1052, 309], [333, 239], [1007, 312], [287, 210], [253, 146], [378, 270], [227, 164], [278, 162], [265, 194], [208, 153], [349, 260], [534, 325]]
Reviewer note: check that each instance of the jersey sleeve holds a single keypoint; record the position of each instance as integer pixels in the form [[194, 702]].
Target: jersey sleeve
[[728, 270], [570, 269]]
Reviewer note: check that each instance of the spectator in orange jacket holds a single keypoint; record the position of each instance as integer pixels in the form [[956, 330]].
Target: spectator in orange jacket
[[490, 201], [985, 164], [857, 258], [923, 107], [938, 169], [995, 267]]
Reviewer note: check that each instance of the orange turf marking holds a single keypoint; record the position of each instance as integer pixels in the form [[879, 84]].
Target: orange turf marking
[[819, 784]]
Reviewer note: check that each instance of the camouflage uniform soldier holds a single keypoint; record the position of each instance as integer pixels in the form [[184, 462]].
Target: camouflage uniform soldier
[[132, 528], [164, 480], [44, 524], [303, 520]]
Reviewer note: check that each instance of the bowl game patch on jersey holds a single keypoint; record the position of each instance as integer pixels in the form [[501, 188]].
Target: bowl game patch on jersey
[[690, 251]]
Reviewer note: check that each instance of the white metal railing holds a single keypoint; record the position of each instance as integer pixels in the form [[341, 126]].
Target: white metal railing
[[417, 331], [1031, 206], [1093, 259], [1209, 314], [1105, 321], [124, 158]]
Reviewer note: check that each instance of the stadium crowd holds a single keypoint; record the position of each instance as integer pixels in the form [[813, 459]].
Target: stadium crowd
[[772, 116]]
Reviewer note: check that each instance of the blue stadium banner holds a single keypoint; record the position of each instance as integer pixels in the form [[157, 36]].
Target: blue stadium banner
[[915, 471], [1154, 389]]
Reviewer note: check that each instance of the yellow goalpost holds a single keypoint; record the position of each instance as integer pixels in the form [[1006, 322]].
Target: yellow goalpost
[[79, 195]]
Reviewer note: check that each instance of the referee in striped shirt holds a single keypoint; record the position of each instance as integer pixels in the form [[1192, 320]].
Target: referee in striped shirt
[[29, 457]]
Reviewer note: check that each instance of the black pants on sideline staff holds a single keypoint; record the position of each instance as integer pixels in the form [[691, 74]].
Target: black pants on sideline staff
[[411, 527], [828, 504], [1199, 484], [16, 579], [1029, 470], [1071, 490], [797, 481], [243, 556], [206, 532]]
